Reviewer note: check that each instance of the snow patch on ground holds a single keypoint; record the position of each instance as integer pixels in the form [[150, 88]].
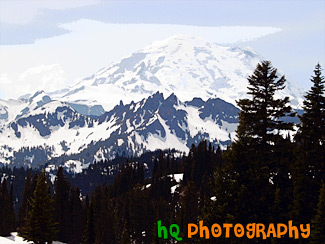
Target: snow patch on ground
[[177, 177], [74, 166], [173, 188], [15, 239]]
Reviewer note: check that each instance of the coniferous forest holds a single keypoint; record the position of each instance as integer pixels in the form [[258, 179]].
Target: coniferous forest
[[274, 172]]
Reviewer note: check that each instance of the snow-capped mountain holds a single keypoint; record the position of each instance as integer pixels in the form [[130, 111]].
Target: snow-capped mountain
[[186, 66], [169, 95], [55, 129]]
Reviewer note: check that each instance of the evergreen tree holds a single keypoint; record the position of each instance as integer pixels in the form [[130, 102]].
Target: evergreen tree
[[189, 209], [61, 205], [77, 216], [125, 236], [89, 237], [244, 185], [106, 220], [311, 133], [24, 208], [7, 216], [281, 177], [40, 225], [309, 169], [260, 117], [318, 223], [29, 187]]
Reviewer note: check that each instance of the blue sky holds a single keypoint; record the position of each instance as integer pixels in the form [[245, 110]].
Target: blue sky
[[50, 44]]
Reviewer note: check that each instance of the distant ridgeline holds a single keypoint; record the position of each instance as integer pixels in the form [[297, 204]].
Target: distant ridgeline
[[55, 133]]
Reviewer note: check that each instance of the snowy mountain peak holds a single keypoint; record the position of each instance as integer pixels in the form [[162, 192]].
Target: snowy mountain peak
[[173, 43], [186, 66], [36, 94]]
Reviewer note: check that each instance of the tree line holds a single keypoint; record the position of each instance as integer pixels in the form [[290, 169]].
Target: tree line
[[272, 173]]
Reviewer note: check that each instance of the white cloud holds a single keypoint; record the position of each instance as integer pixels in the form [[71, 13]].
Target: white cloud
[[24, 11], [42, 77], [4, 80], [5, 83]]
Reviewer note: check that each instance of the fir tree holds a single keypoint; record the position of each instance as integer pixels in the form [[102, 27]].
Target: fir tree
[[309, 169], [311, 133], [189, 210], [243, 186], [7, 216], [78, 217], [61, 205], [125, 236], [318, 223], [89, 237], [260, 117], [40, 225], [25, 206]]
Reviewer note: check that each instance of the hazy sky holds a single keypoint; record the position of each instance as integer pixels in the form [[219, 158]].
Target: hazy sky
[[49, 44]]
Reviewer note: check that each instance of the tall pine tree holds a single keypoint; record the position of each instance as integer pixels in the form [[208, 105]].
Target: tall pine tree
[[40, 225], [61, 204], [318, 223], [309, 169], [260, 117], [7, 216], [90, 235], [311, 132], [25, 206], [244, 187], [78, 217]]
